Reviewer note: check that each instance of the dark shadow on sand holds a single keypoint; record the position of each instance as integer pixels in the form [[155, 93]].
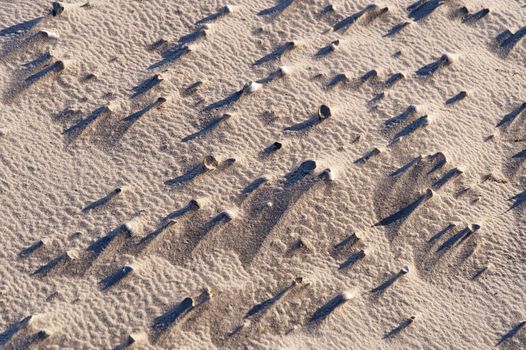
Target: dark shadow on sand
[[191, 206], [324, 311], [56, 67], [397, 330], [167, 320], [299, 173], [188, 176], [82, 124], [397, 28], [352, 260], [508, 118], [410, 129], [458, 97], [214, 16], [343, 24], [102, 201], [12, 330], [406, 166], [208, 128], [40, 60], [512, 332], [304, 125], [146, 86], [406, 211], [260, 308], [387, 283], [422, 9], [31, 249], [276, 54], [433, 67], [21, 27], [227, 101], [115, 277], [508, 41], [171, 58], [275, 10]]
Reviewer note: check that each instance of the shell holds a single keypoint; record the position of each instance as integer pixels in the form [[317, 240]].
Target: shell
[[324, 112], [229, 8], [347, 295], [50, 34], [308, 166], [284, 70], [228, 215], [200, 202], [210, 163], [138, 338], [56, 8], [253, 87], [72, 254], [161, 100], [328, 175]]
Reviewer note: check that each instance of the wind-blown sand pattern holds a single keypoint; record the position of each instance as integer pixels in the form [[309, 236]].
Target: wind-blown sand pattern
[[261, 174]]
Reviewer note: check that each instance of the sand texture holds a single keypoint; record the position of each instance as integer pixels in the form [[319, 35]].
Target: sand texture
[[169, 179]]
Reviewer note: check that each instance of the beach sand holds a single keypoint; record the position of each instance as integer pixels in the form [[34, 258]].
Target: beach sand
[[139, 167]]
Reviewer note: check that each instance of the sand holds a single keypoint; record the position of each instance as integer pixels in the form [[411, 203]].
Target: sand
[[103, 133]]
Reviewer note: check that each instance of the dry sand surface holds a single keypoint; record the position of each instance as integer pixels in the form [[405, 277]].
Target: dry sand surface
[[168, 179]]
